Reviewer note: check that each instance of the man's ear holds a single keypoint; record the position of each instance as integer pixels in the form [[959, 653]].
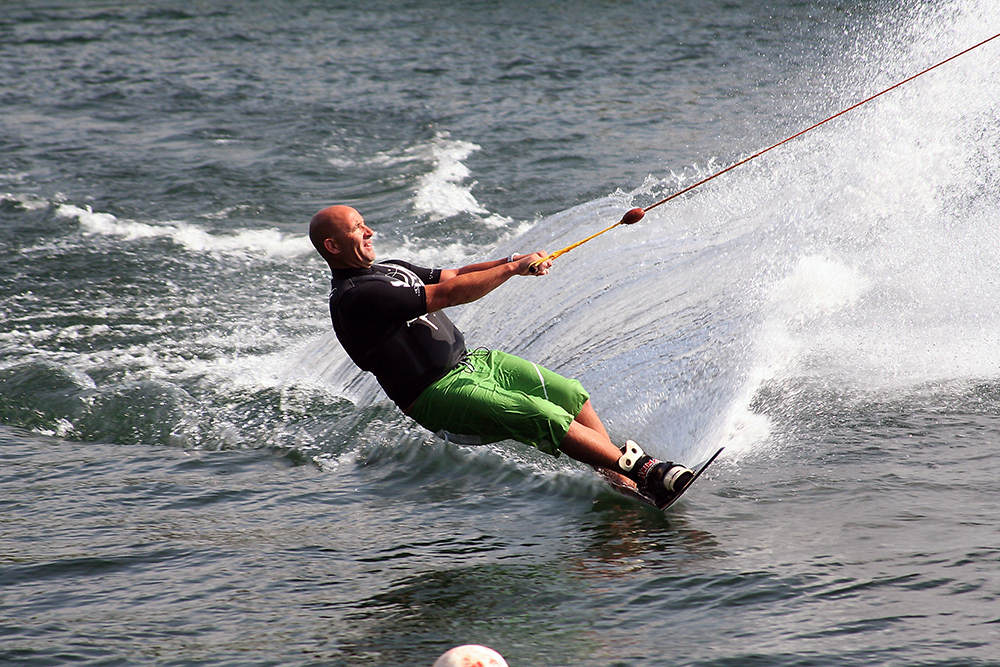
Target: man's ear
[[330, 246]]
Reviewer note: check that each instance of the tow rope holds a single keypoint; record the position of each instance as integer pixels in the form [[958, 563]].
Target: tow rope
[[636, 214]]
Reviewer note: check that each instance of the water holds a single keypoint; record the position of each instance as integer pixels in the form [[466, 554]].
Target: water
[[194, 473]]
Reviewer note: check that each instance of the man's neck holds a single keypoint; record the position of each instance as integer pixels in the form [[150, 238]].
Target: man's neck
[[339, 266], [350, 270]]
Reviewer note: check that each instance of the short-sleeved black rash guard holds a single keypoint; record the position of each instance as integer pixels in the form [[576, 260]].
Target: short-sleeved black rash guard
[[380, 317]]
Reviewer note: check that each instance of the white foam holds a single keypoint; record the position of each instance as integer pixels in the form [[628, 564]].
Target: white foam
[[25, 202], [445, 191], [17, 177], [224, 213], [878, 267], [267, 242], [817, 285]]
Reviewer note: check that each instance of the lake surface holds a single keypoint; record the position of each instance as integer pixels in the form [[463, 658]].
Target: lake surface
[[194, 473]]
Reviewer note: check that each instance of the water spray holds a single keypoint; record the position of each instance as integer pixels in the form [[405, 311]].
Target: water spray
[[636, 214]]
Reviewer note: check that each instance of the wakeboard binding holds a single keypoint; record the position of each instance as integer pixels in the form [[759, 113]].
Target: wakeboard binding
[[662, 481]]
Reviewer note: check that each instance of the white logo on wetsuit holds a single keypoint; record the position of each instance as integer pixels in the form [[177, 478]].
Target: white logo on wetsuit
[[410, 280], [402, 277]]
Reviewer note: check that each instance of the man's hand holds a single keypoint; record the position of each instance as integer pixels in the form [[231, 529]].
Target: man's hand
[[458, 286], [524, 263]]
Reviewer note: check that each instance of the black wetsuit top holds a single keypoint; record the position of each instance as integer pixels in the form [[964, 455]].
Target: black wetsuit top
[[380, 317]]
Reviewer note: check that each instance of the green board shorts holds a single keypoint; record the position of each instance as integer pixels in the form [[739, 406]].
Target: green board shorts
[[493, 396]]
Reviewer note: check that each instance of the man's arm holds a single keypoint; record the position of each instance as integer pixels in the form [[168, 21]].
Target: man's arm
[[475, 281], [448, 274]]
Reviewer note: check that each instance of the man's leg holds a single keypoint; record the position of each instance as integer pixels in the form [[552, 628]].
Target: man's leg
[[587, 441], [588, 417], [587, 445]]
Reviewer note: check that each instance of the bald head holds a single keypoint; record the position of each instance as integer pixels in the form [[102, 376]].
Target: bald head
[[342, 238], [325, 223]]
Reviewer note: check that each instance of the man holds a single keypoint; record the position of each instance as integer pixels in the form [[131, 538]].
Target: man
[[389, 319]]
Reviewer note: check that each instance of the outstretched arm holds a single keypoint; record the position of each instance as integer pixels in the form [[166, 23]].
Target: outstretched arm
[[448, 274], [475, 281]]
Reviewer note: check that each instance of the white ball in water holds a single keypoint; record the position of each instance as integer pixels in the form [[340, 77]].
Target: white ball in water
[[471, 655]]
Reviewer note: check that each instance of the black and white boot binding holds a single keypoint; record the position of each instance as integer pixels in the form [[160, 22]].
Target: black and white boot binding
[[660, 480]]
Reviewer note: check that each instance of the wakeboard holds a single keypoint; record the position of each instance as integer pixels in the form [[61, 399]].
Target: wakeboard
[[627, 487]]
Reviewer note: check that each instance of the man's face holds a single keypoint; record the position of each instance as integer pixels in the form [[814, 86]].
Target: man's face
[[353, 240]]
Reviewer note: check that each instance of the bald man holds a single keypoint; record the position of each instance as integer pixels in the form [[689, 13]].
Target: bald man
[[389, 318]]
